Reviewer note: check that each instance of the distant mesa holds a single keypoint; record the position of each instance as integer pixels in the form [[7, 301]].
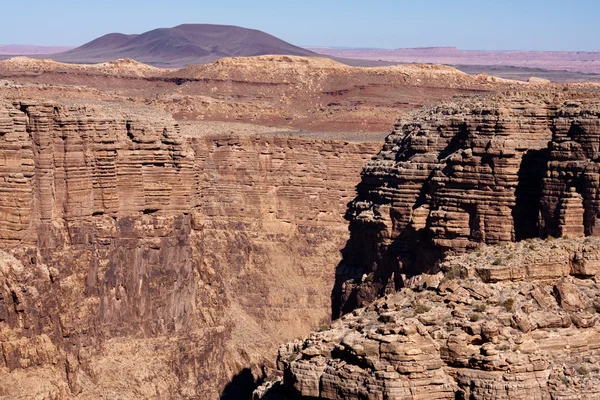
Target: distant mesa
[[23, 49], [182, 45], [489, 61], [23, 66]]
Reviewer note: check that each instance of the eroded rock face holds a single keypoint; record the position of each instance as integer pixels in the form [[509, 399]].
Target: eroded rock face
[[141, 264], [515, 317], [478, 171], [443, 338]]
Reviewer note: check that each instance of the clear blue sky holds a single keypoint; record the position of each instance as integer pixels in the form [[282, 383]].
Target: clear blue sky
[[467, 24]]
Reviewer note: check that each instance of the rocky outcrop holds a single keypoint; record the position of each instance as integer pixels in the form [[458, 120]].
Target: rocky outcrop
[[477, 171], [529, 260], [442, 337], [124, 67], [464, 298], [138, 263]]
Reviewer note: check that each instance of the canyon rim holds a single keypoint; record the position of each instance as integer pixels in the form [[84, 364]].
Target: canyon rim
[[211, 212]]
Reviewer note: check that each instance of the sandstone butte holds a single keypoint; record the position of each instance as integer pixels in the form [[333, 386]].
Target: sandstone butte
[[445, 290]]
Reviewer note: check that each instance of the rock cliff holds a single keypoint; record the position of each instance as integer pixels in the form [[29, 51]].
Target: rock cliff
[[138, 263], [461, 174], [464, 299], [447, 338]]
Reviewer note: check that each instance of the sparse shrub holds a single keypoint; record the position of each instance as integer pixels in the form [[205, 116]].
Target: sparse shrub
[[475, 317], [509, 304], [564, 379], [565, 236], [453, 272], [421, 308], [323, 327], [504, 347], [481, 307], [549, 238], [497, 261], [582, 370]]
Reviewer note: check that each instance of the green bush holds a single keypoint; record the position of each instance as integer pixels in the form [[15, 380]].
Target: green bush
[[421, 308], [509, 304], [582, 370], [475, 317], [453, 272], [481, 307]]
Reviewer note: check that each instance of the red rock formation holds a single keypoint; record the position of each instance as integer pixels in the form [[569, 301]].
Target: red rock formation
[[141, 264], [571, 215], [461, 174], [454, 339], [511, 319]]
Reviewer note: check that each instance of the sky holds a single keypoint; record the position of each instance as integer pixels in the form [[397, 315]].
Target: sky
[[466, 24]]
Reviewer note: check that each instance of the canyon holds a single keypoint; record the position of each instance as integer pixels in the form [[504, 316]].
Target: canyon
[[175, 260], [164, 231], [446, 289]]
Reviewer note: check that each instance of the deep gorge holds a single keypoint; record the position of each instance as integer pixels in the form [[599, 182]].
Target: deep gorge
[[142, 263]]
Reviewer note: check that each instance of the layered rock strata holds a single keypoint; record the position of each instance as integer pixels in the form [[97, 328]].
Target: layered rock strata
[[471, 172], [138, 263], [445, 338], [515, 317]]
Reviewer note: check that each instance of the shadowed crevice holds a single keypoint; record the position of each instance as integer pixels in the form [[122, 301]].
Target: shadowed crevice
[[528, 194], [242, 385]]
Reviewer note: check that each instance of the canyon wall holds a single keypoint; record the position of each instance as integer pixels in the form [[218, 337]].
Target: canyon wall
[[139, 263], [466, 173], [453, 285], [446, 338]]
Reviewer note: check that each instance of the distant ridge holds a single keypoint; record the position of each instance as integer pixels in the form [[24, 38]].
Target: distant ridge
[[572, 61], [26, 49], [182, 45]]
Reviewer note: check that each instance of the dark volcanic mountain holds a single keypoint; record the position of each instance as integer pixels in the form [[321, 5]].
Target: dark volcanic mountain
[[181, 45]]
